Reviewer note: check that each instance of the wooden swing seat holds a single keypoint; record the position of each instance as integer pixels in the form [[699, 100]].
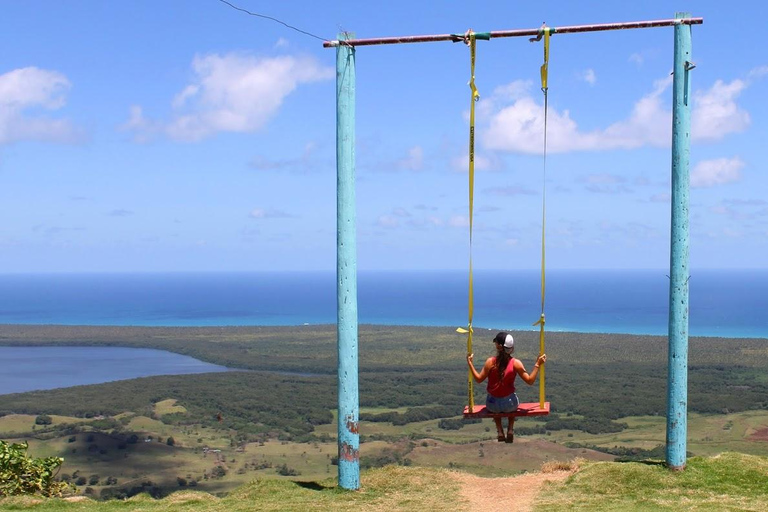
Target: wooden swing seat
[[523, 410]]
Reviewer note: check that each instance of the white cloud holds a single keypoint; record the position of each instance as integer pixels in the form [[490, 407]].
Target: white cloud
[[636, 58], [458, 221], [514, 121], [758, 72], [589, 76], [400, 212], [715, 112], [268, 213], [232, 93], [387, 221], [304, 163], [663, 197], [28, 89], [414, 161], [512, 190], [709, 173], [482, 163]]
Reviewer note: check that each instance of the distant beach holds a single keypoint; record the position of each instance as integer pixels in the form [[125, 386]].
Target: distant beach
[[722, 303]]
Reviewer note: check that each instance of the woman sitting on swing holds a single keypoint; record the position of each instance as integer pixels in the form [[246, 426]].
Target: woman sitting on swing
[[500, 372]]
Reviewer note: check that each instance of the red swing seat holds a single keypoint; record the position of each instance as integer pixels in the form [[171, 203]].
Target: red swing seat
[[523, 410]]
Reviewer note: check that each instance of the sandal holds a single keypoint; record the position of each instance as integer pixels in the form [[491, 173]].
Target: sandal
[[501, 438], [510, 438]]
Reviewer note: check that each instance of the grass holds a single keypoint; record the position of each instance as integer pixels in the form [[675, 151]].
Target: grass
[[729, 481], [169, 407], [386, 489]]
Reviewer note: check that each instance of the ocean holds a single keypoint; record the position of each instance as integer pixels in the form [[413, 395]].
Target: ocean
[[722, 303]]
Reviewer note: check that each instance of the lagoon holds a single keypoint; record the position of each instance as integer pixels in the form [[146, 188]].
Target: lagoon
[[25, 369]]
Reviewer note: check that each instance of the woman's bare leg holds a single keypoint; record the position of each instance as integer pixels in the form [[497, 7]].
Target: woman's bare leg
[[499, 427]]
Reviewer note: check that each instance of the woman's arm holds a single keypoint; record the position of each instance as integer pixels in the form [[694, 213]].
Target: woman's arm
[[479, 377], [530, 378]]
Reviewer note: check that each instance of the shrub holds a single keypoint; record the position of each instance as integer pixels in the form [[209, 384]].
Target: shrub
[[43, 419], [22, 474]]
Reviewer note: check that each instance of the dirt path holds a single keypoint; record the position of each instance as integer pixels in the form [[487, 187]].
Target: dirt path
[[516, 494]]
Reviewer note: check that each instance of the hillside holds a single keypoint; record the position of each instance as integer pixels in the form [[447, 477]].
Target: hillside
[[725, 482]]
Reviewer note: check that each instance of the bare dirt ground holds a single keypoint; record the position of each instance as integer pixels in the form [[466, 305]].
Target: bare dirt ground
[[760, 435], [516, 493]]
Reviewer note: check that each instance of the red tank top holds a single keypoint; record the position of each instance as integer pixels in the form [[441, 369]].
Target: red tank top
[[505, 386]]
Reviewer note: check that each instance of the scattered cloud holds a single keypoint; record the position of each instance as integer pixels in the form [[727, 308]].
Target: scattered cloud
[[588, 76], [282, 43], [636, 58], [230, 93], [663, 197], [630, 232], [31, 89], [306, 162], [491, 162], [269, 213], [513, 120], [605, 183], [387, 221], [710, 173], [715, 112], [413, 162], [458, 221], [745, 202], [120, 213], [400, 212], [511, 191], [758, 72]]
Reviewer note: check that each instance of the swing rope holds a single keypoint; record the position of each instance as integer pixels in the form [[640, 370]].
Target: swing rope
[[470, 38], [541, 321]]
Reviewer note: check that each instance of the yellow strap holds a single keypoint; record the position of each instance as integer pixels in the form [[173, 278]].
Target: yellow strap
[[545, 66], [541, 321], [468, 330]]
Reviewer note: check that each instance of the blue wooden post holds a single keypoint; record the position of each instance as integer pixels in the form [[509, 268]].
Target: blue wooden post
[[346, 268], [677, 378]]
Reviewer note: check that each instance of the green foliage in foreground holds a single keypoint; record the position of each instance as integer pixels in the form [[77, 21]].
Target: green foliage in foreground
[[22, 474], [729, 481]]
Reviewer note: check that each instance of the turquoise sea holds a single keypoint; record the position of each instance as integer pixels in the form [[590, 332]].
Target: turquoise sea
[[722, 302]]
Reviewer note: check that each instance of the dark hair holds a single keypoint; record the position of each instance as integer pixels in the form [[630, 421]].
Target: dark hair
[[502, 356]]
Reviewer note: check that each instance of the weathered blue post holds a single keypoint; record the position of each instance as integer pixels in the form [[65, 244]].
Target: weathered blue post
[[677, 378], [346, 268]]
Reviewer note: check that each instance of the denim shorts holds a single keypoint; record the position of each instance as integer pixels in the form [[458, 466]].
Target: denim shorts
[[503, 404]]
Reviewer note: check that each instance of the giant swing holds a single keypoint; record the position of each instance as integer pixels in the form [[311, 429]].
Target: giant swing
[[346, 260]]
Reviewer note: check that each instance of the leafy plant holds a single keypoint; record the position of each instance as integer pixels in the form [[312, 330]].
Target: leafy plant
[[22, 474]]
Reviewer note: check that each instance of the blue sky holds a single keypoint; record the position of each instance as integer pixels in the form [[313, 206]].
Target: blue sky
[[185, 136]]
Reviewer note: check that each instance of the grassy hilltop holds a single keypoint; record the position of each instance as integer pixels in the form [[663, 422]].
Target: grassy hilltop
[[727, 482]]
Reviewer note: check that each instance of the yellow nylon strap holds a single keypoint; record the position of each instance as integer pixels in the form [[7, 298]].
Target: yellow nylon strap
[[545, 66], [468, 330], [541, 321]]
